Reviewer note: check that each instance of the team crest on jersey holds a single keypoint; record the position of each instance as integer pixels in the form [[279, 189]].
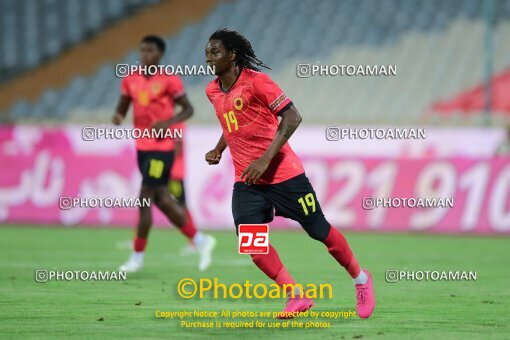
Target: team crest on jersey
[[155, 88], [240, 103]]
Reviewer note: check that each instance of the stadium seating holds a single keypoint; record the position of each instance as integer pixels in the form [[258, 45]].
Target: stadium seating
[[36, 30], [423, 38]]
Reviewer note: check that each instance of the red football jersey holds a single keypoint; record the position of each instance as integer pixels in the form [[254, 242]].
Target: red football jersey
[[248, 114], [153, 100]]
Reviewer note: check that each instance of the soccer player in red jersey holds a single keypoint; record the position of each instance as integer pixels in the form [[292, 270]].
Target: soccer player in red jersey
[[153, 98], [269, 177]]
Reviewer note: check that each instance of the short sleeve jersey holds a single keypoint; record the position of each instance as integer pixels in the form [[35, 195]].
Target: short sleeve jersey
[[153, 99], [248, 114]]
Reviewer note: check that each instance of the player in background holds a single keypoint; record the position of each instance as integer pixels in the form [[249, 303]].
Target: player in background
[[269, 176], [153, 98], [176, 185]]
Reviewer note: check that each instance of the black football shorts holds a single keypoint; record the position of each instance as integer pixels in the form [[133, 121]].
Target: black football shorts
[[155, 167], [293, 198]]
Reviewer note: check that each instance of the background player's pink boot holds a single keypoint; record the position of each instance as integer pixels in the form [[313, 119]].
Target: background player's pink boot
[[365, 299], [295, 304]]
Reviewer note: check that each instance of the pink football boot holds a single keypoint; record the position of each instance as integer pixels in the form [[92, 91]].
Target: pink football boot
[[295, 305], [365, 299]]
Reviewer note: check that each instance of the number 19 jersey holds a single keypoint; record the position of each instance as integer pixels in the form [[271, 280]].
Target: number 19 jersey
[[248, 114]]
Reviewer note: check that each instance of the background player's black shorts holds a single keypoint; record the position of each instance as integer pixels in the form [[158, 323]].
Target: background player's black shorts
[[176, 188], [293, 198], [155, 167]]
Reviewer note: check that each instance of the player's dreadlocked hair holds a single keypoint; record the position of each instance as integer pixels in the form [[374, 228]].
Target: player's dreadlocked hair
[[234, 41]]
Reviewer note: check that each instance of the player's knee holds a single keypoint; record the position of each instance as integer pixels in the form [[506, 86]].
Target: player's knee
[[147, 192], [162, 197], [318, 228]]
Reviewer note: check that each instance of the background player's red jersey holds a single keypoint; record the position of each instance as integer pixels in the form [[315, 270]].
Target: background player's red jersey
[[248, 115], [153, 100]]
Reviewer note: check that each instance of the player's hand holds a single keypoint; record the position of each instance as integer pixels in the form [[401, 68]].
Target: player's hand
[[213, 157], [160, 125], [255, 170], [117, 119], [178, 146]]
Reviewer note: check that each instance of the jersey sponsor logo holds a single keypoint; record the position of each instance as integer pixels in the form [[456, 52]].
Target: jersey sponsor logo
[[253, 239]]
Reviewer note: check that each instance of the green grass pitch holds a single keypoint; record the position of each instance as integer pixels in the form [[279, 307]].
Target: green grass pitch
[[421, 310]]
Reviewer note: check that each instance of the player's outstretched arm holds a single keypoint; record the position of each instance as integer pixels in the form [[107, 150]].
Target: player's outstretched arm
[[121, 109], [214, 156], [289, 123], [185, 113]]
